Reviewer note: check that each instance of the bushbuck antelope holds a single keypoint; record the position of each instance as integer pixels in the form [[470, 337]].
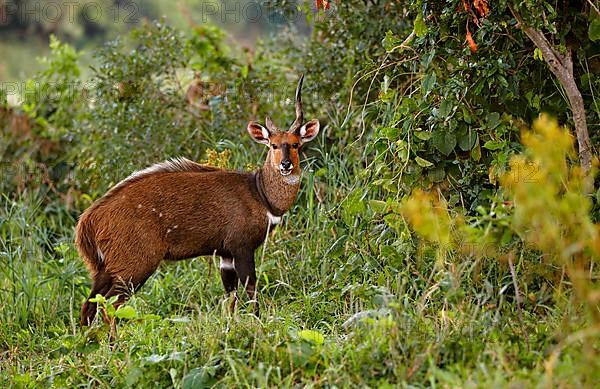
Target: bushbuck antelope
[[180, 209]]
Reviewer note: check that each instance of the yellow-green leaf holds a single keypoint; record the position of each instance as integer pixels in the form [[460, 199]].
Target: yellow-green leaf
[[377, 205], [594, 30], [126, 312], [420, 26], [423, 162], [312, 336]]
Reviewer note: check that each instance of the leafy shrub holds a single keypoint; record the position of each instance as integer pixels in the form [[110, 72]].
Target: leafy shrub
[[548, 211], [137, 108], [428, 109], [37, 137]]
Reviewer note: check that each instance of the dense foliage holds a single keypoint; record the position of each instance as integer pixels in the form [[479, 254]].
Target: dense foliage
[[443, 234]]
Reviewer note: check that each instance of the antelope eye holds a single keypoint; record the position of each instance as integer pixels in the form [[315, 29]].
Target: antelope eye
[[275, 147], [295, 145]]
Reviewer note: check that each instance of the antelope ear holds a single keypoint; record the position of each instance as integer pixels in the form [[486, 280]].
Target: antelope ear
[[259, 133], [309, 131]]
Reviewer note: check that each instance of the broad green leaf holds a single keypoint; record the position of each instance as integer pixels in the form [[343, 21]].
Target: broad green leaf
[[423, 135], [390, 133], [493, 145], [155, 358], [420, 26], [390, 41], [534, 99], [466, 139], [126, 312], [401, 144], [337, 248], [98, 299], [403, 154], [467, 116], [354, 204], [423, 162], [444, 141], [312, 336], [436, 174], [244, 71], [427, 58], [594, 30], [395, 221], [321, 172], [445, 109], [506, 237], [133, 376], [377, 205], [198, 377], [476, 151], [428, 83], [493, 120], [302, 353], [407, 106]]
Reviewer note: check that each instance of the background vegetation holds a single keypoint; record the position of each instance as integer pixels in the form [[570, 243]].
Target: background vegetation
[[445, 234]]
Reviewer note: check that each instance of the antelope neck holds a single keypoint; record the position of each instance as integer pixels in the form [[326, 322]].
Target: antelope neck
[[276, 194]]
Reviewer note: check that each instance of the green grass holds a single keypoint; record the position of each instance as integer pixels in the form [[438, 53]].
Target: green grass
[[349, 297], [387, 317], [345, 301]]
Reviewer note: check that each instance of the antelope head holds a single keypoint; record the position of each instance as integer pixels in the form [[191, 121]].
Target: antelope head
[[284, 146]]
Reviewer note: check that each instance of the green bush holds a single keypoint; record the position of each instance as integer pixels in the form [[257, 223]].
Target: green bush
[[489, 291]]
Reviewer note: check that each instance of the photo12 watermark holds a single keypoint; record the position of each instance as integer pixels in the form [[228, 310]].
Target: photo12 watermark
[[16, 93], [69, 11]]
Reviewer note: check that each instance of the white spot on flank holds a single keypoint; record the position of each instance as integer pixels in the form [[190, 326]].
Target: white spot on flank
[[168, 230], [273, 219], [227, 264], [160, 214], [153, 209], [139, 205], [175, 226]]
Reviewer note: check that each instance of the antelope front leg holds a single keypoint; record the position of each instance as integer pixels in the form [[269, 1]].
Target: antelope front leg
[[246, 272], [230, 279]]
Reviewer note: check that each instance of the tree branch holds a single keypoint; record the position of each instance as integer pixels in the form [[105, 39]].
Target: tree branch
[[561, 65]]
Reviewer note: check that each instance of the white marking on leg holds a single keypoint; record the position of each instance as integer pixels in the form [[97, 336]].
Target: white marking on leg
[[227, 264]]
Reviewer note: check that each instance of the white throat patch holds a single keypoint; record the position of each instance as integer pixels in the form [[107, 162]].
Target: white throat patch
[[292, 179], [273, 219]]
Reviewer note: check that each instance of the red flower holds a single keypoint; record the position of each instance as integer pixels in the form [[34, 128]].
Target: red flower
[[323, 4]]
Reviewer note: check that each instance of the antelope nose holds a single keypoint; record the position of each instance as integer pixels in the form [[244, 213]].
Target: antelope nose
[[287, 164]]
